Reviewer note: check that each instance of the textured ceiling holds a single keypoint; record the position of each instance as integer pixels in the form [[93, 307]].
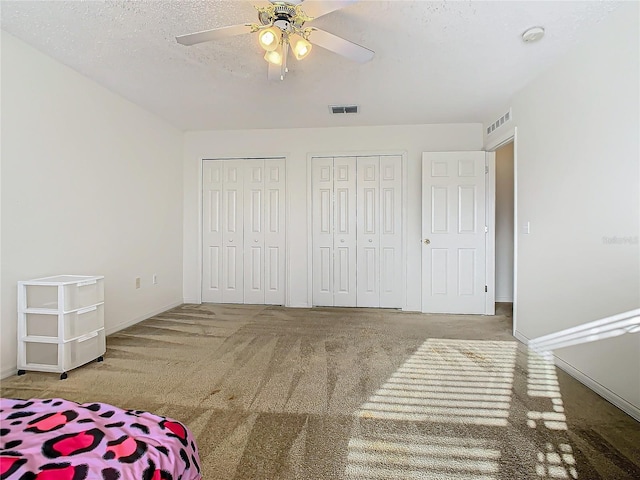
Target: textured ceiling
[[435, 62]]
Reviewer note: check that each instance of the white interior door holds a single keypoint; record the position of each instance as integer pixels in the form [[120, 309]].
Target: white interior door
[[453, 232]]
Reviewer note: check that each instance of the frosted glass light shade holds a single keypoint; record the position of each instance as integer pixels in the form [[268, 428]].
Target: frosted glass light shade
[[269, 38], [274, 56], [301, 47]]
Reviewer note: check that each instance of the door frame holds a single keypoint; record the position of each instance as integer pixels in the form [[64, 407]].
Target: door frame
[[506, 137], [404, 204], [200, 256]]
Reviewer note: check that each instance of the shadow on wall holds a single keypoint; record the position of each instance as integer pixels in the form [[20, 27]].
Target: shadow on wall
[[450, 411]]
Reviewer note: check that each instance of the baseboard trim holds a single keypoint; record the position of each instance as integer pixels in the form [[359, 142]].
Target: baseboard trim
[[8, 372], [589, 382], [521, 337], [601, 390], [133, 321], [191, 300]]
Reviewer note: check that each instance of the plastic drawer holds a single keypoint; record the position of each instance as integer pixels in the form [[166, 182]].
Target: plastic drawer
[[76, 323], [77, 295], [75, 353], [83, 350], [41, 353]]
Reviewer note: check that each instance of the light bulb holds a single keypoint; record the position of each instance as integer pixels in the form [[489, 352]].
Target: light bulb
[[269, 38], [274, 56], [301, 47]]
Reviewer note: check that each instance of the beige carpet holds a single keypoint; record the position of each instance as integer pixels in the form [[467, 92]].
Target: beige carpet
[[276, 393]]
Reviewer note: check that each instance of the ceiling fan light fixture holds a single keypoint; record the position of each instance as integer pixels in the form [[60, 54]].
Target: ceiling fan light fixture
[[301, 47], [269, 38], [274, 56]]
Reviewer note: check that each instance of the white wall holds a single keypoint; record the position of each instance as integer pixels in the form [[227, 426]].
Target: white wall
[[578, 184], [295, 145], [504, 223], [91, 184]]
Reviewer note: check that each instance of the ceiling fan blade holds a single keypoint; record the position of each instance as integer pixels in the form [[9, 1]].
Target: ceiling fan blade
[[317, 8], [215, 34], [274, 72], [339, 45]]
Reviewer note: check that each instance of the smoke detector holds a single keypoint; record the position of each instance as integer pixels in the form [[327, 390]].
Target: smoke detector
[[532, 34]]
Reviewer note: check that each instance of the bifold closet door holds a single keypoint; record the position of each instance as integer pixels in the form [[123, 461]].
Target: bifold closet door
[[222, 270], [264, 236], [243, 231], [334, 231], [379, 232], [357, 231]]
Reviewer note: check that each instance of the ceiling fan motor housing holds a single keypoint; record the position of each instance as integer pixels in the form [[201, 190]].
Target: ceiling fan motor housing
[[282, 15]]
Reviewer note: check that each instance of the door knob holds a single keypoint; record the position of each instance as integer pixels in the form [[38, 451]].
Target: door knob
[[427, 241]]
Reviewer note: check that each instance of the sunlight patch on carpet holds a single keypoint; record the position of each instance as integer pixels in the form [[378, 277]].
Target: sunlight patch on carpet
[[445, 382], [556, 459]]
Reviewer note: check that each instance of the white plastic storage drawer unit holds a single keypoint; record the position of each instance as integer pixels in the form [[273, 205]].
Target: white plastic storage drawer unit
[[60, 323]]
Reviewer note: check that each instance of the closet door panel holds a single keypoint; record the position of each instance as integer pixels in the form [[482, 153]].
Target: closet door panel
[[233, 233], [345, 232], [274, 232], [253, 244], [368, 235], [391, 288], [212, 172], [322, 231]]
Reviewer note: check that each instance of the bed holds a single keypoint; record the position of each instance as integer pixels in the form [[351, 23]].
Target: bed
[[63, 440]]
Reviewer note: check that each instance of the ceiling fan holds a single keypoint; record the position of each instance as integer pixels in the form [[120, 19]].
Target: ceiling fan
[[283, 28]]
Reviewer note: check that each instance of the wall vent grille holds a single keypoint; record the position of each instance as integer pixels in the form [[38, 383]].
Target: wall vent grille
[[499, 122], [338, 109]]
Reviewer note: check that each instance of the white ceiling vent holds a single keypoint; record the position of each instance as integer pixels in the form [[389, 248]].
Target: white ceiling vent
[[499, 122], [336, 109]]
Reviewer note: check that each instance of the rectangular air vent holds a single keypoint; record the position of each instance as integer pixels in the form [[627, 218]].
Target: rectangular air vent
[[499, 122], [336, 109]]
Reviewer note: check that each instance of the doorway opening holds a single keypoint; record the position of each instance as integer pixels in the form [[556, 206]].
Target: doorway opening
[[504, 228], [506, 176]]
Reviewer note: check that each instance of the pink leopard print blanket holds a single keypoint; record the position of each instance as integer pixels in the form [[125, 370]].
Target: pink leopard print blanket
[[56, 439]]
